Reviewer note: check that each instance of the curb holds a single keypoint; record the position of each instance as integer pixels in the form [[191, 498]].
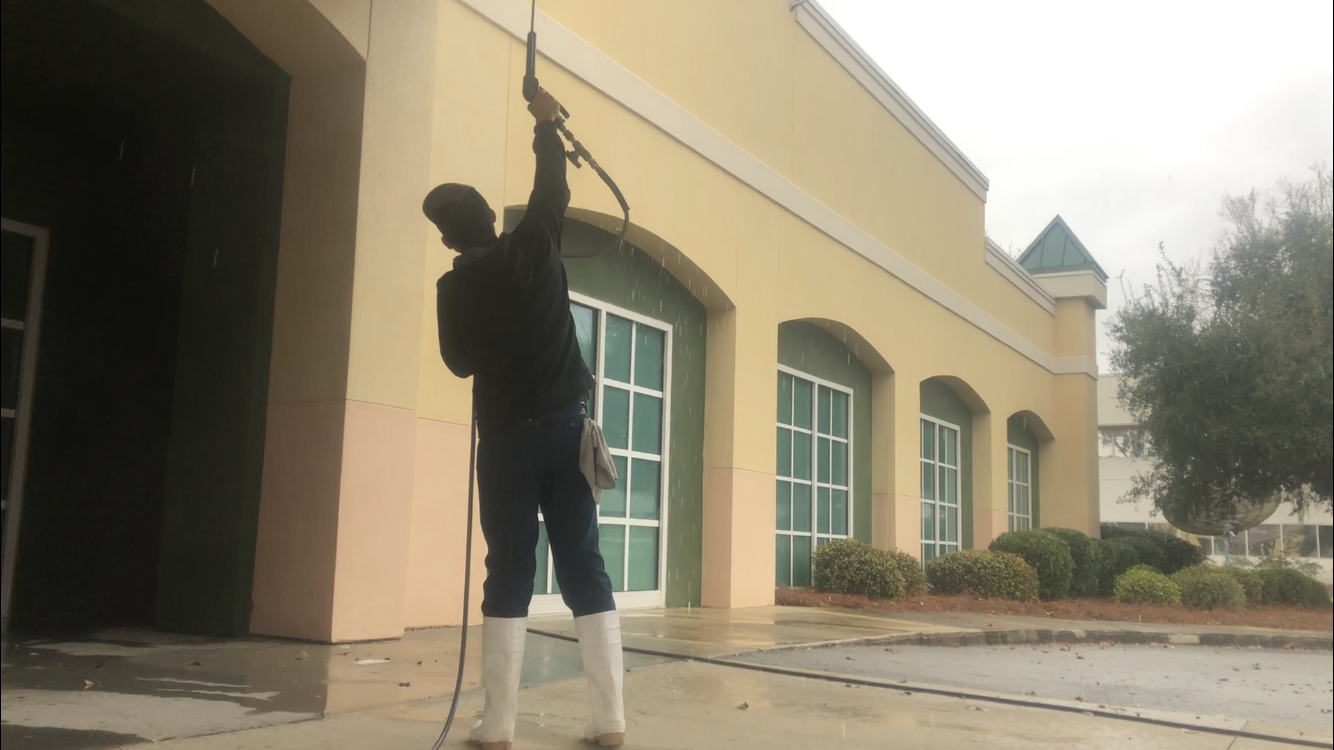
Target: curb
[[1016, 637], [1220, 726]]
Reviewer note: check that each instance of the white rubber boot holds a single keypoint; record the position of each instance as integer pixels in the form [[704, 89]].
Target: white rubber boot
[[604, 667], [502, 661]]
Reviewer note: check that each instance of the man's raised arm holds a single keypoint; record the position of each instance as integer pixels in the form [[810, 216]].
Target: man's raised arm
[[551, 194]]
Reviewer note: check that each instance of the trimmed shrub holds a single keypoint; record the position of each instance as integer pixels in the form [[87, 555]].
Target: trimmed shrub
[[1288, 586], [1047, 553], [989, 575], [1120, 554], [1250, 581], [1208, 588], [1149, 568], [1112, 531], [951, 572], [1194, 570], [1087, 557], [1149, 553], [1179, 553], [1308, 567], [1146, 587], [910, 568], [1172, 554], [1117, 556], [848, 566]]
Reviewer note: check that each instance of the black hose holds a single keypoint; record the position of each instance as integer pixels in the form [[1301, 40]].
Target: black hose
[[467, 580], [574, 156]]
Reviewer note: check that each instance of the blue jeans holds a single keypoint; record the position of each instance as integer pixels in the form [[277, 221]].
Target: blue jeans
[[521, 468]]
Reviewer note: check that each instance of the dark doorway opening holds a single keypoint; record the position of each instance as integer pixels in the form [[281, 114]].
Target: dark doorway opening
[[147, 138]]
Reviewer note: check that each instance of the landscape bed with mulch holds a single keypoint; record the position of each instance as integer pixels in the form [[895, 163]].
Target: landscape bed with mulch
[[1102, 610]]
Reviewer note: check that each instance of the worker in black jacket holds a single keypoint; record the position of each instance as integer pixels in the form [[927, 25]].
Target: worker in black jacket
[[504, 320]]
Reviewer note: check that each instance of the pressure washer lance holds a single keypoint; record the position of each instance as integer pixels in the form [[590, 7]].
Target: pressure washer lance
[[578, 151]]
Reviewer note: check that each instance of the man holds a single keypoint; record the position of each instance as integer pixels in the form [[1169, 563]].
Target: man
[[504, 319]]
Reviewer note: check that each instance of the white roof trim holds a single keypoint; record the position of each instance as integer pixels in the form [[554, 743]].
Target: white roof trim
[[1015, 274], [1074, 284], [825, 30], [584, 61]]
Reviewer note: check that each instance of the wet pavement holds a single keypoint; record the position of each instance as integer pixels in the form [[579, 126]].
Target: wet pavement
[[1280, 687], [704, 706], [123, 685], [126, 687]]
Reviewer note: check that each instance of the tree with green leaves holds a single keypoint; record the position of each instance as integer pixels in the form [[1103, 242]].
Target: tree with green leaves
[[1229, 365]]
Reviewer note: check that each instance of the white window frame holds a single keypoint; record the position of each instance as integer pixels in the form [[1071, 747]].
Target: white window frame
[[22, 416], [1013, 453], [815, 482], [546, 604], [936, 463]]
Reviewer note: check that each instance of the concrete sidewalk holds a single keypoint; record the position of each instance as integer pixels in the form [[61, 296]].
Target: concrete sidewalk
[[713, 633], [689, 705], [280, 694]]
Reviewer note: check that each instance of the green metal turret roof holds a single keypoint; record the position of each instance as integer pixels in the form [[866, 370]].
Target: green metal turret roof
[[1058, 250]]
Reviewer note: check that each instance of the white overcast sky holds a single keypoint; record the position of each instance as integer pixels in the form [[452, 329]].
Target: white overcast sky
[[1130, 119]]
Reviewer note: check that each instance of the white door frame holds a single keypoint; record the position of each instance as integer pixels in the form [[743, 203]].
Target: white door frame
[[815, 441], [31, 327], [546, 604], [1013, 483], [958, 467]]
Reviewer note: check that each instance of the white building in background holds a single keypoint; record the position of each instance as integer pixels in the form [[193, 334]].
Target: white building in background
[[1309, 536]]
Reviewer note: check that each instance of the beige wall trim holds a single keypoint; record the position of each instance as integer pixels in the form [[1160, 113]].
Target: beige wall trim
[[586, 62], [826, 31], [1015, 274], [1083, 284], [1076, 366], [352, 18]]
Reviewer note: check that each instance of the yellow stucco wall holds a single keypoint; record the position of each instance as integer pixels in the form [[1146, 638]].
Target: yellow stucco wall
[[748, 71], [452, 111]]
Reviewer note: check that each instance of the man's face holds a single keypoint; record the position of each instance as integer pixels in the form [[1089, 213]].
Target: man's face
[[444, 236]]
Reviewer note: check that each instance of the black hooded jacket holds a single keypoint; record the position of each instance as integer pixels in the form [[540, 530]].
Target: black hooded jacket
[[504, 317]]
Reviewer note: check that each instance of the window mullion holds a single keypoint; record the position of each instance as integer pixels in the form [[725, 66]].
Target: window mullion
[[599, 364], [941, 506], [816, 389]]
